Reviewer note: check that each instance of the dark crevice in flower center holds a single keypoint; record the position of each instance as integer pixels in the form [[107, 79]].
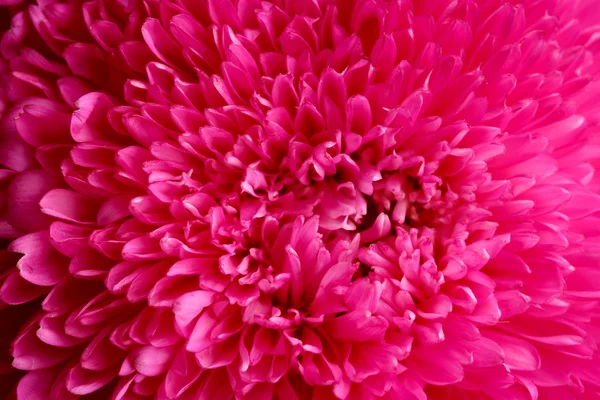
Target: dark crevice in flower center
[[362, 271], [373, 211]]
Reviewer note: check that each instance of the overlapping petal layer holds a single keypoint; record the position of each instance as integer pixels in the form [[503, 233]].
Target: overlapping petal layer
[[300, 199]]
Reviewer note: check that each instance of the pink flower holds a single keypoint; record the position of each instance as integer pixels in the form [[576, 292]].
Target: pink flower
[[299, 199]]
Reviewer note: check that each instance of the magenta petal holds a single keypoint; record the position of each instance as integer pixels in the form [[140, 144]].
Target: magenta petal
[[31, 124], [161, 43], [36, 384], [81, 381], [113, 210], [152, 361], [190, 305], [89, 120], [358, 326], [218, 355], [51, 332], [200, 336], [16, 290], [68, 205], [41, 264], [448, 370], [520, 354], [24, 195], [31, 354]]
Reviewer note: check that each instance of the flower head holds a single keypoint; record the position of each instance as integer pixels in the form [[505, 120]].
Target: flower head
[[299, 199]]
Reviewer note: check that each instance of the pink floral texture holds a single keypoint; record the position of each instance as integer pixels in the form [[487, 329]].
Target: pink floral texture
[[300, 199]]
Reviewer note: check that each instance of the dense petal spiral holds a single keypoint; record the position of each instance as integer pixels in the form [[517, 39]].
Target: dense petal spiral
[[299, 199]]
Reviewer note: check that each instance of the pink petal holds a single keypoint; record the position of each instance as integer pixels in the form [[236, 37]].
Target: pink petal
[[69, 205], [152, 361], [520, 354], [24, 194], [41, 264], [358, 326]]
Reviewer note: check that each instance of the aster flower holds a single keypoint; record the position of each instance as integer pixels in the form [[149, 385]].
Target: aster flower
[[299, 199]]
